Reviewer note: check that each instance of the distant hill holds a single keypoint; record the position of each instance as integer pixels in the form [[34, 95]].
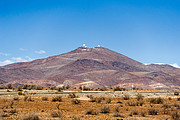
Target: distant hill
[[92, 67]]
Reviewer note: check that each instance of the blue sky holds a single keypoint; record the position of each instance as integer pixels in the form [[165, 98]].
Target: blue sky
[[145, 30]]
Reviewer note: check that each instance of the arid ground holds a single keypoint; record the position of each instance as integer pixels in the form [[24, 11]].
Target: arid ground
[[89, 105]]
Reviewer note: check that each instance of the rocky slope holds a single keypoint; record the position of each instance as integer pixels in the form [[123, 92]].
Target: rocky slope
[[93, 67]]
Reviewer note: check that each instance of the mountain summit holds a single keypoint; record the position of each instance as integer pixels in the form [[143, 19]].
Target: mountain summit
[[92, 67]]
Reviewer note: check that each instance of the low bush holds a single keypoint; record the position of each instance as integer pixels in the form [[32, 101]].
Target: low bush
[[31, 116], [117, 115], [116, 109], [126, 97], [75, 118], [13, 111], [105, 109], [158, 100], [57, 99], [166, 105], [119, 89], [75, 101], [56, 114], [175, 115], [16, 98], [3, 114], [108, 100], [139, 97], [20, 93], [152, 111], [143, 113], [44, 98], [134, 112], [28, 98], [91, 112], [72, 95], [176, 93]]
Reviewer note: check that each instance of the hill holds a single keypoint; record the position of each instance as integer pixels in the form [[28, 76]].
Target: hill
[[93, 67]]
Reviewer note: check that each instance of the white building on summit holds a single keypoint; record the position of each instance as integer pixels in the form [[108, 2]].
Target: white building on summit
[[84, 46]]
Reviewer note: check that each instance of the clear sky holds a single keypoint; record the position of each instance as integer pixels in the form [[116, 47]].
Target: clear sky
[[145, 30]]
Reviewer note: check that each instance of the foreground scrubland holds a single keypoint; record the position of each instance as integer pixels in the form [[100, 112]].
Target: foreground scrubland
[[28, 105]]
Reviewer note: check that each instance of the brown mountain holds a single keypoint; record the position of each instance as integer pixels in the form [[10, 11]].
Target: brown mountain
[[93, 67]]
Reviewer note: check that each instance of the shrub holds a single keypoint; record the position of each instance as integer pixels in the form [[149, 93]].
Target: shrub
[[176, 105], [16, 98], [2, 87], [119, 89], [132, 103], [57, 99], [9, 86], [75, 101], [90, 96], [92, 99], [31, 116], [116, 109], [59, 89], [99, 99], [152, 111], [19, 92], [19, 88], [72, 95], [91, 112], [25, 98], [156, 100], [28, 98], [126, 97], [13, 111], [108, 100], [117, 115], [119, 102], [139, 97], [141, 103], [176, 93], [44, 98], [175, 115], [3, 114], [103, 88], [166, 105], [105, 109], [56, 114], [134, 112], [143, 113], [169, 98], [75, 118]]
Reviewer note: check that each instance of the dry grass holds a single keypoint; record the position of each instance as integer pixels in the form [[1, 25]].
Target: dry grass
[[111, 108]]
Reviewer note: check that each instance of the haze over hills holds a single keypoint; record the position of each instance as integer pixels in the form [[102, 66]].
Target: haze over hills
[[92, 67]]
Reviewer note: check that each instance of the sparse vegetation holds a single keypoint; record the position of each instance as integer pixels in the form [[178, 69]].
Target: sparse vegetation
[[108, 100], [72, 95], [119, 89], [75, 101], [176, 93], [31, 116], [16, 98], [57, 99], [126, 97], [91, 112], [57, 114], [105, 109], [139, 97], [44, 98], [101, 106], [158, 100], [152, 111]]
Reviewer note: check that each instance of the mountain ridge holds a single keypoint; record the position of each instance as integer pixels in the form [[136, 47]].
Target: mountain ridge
[[71, 68]]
